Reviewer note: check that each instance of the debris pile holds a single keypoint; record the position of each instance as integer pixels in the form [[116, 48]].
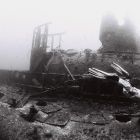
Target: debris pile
[[122, 81]]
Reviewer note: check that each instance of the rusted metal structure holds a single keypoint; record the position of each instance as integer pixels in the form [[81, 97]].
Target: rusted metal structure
[[50, 73], [46, 61]]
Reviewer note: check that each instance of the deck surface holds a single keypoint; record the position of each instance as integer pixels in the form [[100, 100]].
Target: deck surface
[[79, 119]]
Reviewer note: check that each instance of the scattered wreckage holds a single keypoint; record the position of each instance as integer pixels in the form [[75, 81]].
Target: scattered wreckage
[[51, 71], [115, 83], [97, 83], [49, 76]]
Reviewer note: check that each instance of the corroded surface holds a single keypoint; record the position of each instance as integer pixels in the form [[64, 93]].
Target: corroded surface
[[72, 118]]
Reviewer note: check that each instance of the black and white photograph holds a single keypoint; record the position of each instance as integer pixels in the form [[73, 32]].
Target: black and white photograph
[[69, 70]]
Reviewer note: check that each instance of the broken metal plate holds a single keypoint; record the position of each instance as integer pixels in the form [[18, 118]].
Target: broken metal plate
[[41, 117], [77, 116], [95, 118], [60, 118], [50, 108]]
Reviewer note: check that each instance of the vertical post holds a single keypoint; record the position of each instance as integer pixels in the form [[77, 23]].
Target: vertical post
[[33, 40], [60, 39], [38, 37], [52, 43], [45, 36]]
